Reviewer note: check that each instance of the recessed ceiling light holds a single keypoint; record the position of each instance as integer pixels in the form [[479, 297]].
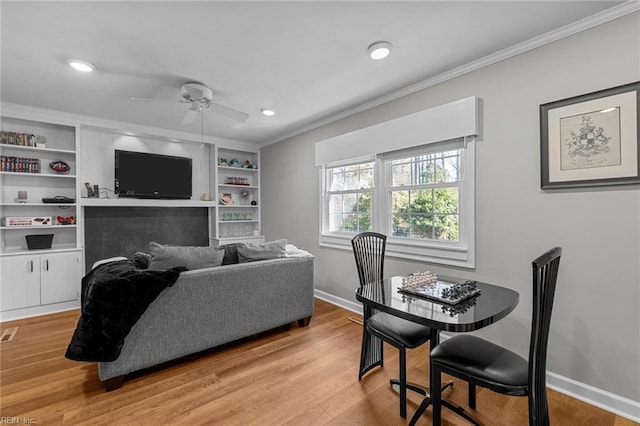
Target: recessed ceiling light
[[379, 50], [268, 112], [80, 65]]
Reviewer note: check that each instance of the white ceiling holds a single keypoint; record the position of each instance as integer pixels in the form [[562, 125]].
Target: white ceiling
[[308, 60]]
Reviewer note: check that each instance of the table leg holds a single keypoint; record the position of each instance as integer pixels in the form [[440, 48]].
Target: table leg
[[435, 341]]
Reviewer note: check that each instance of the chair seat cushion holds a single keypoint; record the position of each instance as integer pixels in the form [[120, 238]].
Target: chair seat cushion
[[501, 369], [397, 331]]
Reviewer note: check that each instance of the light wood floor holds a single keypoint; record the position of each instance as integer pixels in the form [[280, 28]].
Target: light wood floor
[[300, 376]]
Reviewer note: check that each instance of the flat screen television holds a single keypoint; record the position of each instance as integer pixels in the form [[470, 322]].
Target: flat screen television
[[145, 175]]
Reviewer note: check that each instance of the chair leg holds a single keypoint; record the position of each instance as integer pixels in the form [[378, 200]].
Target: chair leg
[[472, 396], [370, 354], [538, 410], [403, 383]]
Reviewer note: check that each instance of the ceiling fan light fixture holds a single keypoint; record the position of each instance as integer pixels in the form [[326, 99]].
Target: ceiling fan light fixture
[[80, 65], [379, 50], [268, 112]]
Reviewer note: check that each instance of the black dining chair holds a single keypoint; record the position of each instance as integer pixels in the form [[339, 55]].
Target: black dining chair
[[369, 249], [485, 364]]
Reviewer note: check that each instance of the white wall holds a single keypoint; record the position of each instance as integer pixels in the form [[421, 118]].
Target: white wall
[[97, 157], [595, 333]]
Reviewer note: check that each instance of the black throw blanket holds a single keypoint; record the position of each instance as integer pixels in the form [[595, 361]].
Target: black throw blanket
[[114, 296]]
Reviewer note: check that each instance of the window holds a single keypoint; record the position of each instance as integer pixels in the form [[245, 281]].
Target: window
[[425, 196], [349, 198], [421, 198], [410, 178]]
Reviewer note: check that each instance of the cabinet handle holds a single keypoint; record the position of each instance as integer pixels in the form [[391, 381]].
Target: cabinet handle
[[46, 265], [31, 266]]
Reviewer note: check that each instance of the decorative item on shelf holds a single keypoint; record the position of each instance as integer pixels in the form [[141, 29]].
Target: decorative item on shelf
[[41, 141], [222, 162], [22, 139], [246, 164], [39, 241], [206, 196], [22, 197], [227, 199], [244, 196], [59, 166], [254, 203], [234, 162], [92, 191], [236, 216], [58, 199], [19, 164], [27, 220], [69, 220], [236, 180]]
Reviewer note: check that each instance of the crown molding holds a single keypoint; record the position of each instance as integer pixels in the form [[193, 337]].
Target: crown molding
[[608, 15], [26, 112]]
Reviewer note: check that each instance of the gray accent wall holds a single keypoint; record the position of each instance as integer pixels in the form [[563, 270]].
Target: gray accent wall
[[595, 333], [122, 231]]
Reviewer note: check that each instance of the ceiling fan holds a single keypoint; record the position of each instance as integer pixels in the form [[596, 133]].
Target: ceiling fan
[[199, 97]]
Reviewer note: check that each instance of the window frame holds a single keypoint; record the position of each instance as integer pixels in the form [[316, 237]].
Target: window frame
[[460, 253]]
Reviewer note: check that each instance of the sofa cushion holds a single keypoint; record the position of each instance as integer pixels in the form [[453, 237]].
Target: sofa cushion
[[250, 252], [190, 257], [231, 253]]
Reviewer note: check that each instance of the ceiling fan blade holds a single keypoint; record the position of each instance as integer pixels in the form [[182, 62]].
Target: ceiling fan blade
[[182, 101], [229, 112], [190, 116]]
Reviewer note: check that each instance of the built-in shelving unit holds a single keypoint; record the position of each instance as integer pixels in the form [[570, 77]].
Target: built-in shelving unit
[[237, 193], [38, 280], [39, 183]]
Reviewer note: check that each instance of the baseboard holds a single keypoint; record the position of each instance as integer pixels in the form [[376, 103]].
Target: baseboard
[[608, 401], [611, 402], [339, 301], [35, 311]]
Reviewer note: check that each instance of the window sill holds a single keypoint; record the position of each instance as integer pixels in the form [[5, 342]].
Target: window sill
[[441, 254]]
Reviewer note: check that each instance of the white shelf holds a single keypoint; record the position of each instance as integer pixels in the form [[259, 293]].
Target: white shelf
[[135, 202], [239, 221], [38, 204], [230, 185], [245, 169], [36, 149], [42, 175], [37, 227], [54, 249], [237, 206]]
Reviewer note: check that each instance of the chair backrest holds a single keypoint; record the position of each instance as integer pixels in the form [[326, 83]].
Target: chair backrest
[[545, 274], [368, 249]]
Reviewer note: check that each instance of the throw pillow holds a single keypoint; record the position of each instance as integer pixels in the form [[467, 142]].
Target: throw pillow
[[231, 253], [190, 257], [250, 252], [141, 259]]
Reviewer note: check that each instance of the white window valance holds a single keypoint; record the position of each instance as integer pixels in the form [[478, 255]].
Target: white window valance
[[456, 119]]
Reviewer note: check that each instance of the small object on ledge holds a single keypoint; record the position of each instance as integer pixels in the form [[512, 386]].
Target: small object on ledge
[[234, 162], [227, 199], [59, 166], [39, 241], [22, 197], [69, 220], [222, 162]]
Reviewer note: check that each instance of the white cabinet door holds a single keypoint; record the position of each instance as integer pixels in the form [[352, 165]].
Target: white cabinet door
[[20, 286], [61, 275]]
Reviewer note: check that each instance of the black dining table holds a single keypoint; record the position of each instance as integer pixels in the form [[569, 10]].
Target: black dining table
[[489, 306]]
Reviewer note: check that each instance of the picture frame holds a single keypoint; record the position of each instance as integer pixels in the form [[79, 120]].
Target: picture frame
[[592, 139]]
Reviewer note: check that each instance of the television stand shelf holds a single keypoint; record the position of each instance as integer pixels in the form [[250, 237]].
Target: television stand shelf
[[140, 202]]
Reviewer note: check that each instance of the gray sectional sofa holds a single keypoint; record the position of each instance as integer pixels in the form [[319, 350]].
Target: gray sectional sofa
[[213, 306]]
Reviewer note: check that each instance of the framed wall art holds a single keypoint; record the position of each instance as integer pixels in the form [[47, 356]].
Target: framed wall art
[[592, 139]]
